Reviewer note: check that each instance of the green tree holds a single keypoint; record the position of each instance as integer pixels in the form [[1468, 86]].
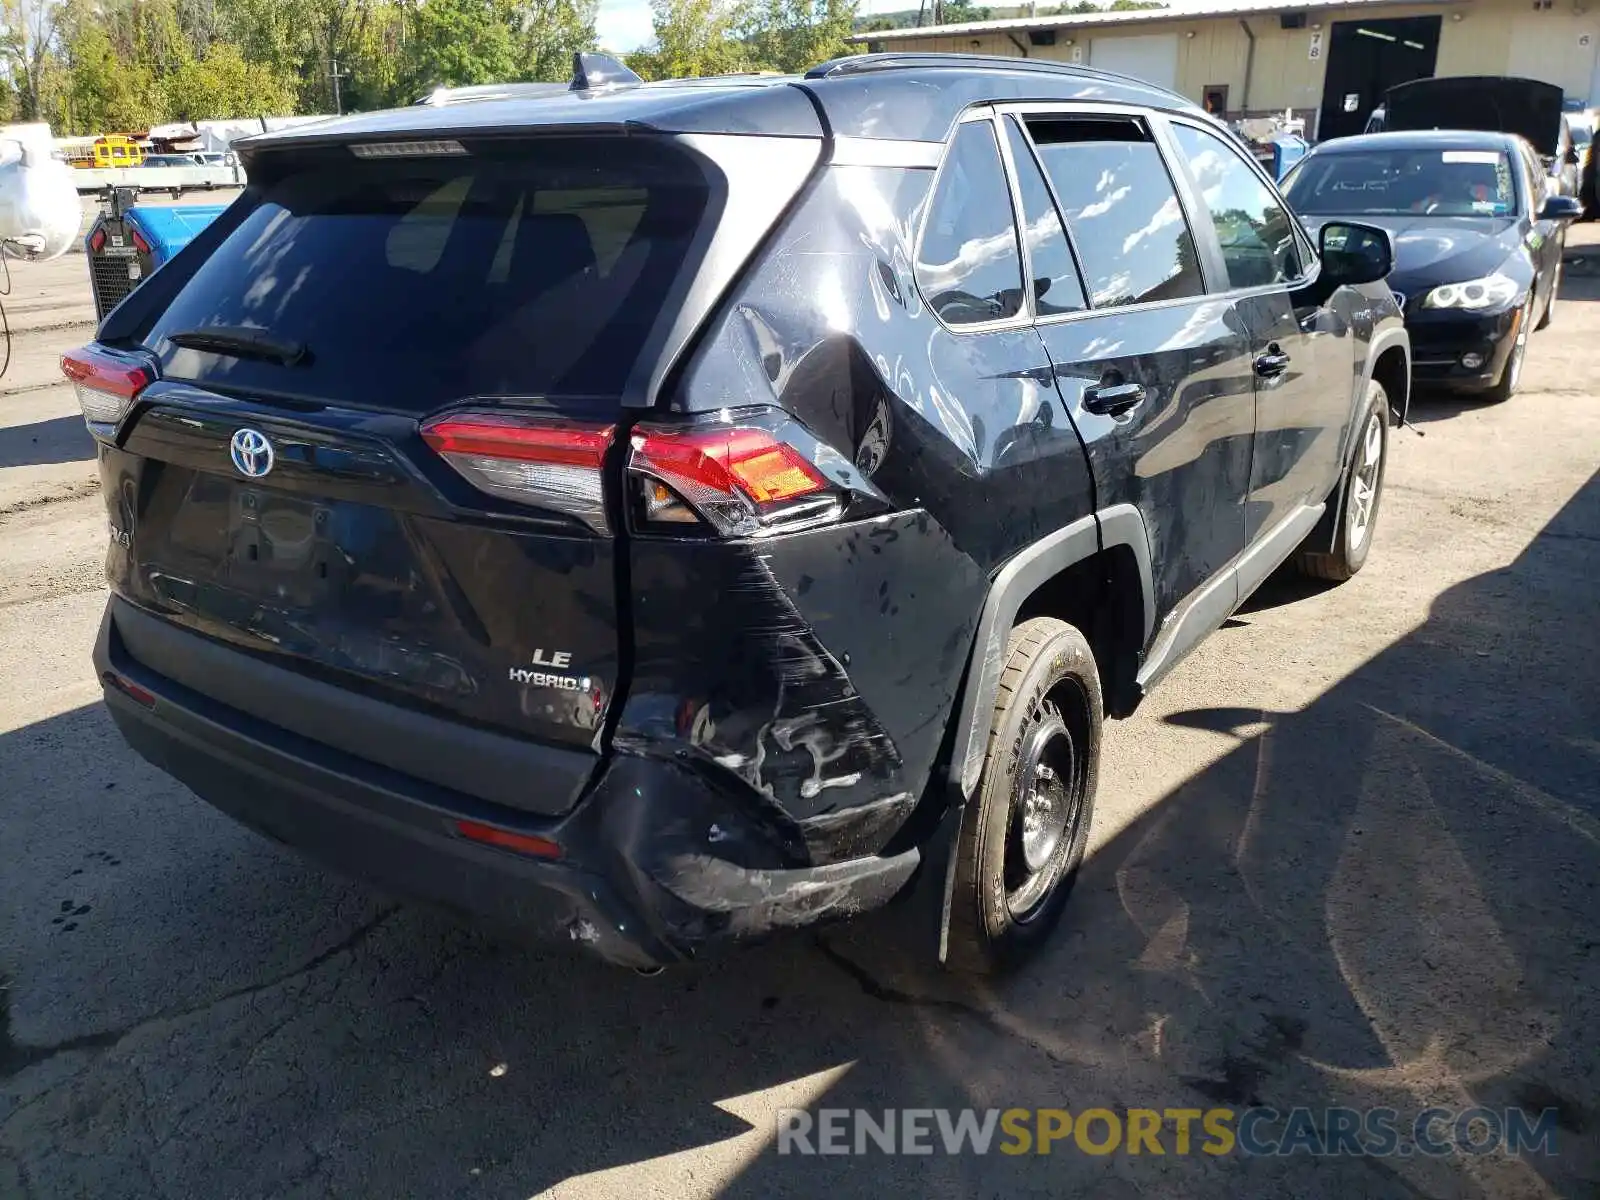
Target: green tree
[[201, 22], [222, 85], [274, 32], [102, 92], [459, 42], [551, 32], [791, 35], [693, 37], [955, 12], [27, 51], [375, 62]]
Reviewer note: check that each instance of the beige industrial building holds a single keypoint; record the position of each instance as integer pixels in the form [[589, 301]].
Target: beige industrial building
[[1328, 60]]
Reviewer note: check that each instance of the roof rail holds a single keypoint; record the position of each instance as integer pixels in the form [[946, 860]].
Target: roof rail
[[590, 71], [861, 64]]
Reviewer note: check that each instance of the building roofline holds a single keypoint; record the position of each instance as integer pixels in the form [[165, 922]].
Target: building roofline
[[1138, 16]]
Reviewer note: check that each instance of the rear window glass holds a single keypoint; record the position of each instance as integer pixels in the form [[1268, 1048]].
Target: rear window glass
[[1440, 183], [414, 282], [968, 263]]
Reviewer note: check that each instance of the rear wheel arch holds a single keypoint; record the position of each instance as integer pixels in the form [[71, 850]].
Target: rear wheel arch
[[1094, 574], [1109, 550]]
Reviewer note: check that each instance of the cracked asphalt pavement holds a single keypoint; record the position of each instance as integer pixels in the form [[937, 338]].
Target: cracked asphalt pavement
[[1348, 854]]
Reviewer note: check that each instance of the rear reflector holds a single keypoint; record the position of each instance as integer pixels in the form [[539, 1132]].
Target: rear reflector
[[505, 839], [97, 241], [550, 463], [739, 478], [106, 383], [139, 244], [129, 689]]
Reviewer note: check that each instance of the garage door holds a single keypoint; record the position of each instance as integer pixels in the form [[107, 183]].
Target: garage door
[[1152, 57]]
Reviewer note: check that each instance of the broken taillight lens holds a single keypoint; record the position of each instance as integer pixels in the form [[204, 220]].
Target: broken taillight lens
[[739, 479], [547, 462], [107, 383]]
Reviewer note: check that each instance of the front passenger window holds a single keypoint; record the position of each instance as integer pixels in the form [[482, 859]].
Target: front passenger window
[[1258, 240], [968, 264]]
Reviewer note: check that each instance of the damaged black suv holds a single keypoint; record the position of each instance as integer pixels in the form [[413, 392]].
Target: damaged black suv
[[654, 515]]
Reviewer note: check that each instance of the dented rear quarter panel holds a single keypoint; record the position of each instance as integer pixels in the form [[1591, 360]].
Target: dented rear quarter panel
[[822, 668]]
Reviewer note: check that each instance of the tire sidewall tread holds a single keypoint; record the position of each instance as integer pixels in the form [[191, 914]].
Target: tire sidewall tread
[[1041, 654]]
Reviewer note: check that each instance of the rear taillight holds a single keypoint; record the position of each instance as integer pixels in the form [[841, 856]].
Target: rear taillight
[[139, 244], [741, 480], [551, 463], [97, 241], [107, 383]]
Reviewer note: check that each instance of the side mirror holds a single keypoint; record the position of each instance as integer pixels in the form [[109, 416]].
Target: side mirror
[[1561, 208], [1354, 253]]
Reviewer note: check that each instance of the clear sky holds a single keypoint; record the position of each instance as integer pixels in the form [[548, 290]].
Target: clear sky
[[624, 24]]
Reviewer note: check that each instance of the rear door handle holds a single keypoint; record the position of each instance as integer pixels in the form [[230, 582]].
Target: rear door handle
[[1273, 362], [1113, 399]]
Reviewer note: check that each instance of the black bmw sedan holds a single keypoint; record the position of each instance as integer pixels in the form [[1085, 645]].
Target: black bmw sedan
[[1477, 242]]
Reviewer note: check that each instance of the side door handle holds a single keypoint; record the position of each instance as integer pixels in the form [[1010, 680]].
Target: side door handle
[[1113, 399], [1273, 362]]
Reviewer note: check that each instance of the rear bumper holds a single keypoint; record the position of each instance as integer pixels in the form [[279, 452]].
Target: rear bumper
[[658, 865]]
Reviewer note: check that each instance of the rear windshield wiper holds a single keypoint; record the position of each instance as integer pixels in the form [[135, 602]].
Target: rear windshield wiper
[[241, 341]]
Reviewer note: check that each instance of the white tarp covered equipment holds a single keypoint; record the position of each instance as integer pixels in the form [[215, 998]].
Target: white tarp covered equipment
[[39, 210]]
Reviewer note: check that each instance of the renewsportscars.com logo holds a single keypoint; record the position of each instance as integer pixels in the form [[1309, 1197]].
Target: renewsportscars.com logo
[[1370, 1132]]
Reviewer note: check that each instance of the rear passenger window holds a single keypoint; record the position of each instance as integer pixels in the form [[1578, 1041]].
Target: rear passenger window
[[1121, 209], [1258, 240], [968, 265], [1056, 286]]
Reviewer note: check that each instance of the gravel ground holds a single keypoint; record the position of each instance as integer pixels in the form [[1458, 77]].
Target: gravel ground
[[1347, 855]]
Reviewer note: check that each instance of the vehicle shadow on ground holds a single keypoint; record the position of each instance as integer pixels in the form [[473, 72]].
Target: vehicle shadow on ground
[[57, 440], [1385, 899], [1580, 272]]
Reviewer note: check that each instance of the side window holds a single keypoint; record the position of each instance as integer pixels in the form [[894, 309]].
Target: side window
[[1120, 207], [1534, 180], [1055, 282], [1259, 245], [968, 264]]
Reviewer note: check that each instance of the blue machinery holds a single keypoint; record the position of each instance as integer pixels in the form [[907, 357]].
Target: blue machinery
[[128, 241]]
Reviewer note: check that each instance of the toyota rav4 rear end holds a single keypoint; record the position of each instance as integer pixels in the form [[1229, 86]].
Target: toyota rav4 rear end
[[417, 566]]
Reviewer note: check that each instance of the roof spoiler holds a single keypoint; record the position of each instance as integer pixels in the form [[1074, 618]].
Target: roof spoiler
[[591, 71]]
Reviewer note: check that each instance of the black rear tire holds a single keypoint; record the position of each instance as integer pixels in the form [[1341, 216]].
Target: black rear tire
[[1024, 833], [1359, 494]]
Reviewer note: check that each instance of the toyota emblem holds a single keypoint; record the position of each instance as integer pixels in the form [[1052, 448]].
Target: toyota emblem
[[251, 452]]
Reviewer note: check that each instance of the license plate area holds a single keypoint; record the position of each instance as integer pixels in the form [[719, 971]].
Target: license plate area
[[281, 546]]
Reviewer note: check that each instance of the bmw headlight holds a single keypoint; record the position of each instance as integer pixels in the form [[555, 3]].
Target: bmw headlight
[[1492, 291]]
